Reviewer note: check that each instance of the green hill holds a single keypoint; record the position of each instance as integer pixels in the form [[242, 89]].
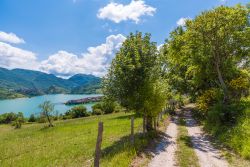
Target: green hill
[[87, 83], [30, 83]]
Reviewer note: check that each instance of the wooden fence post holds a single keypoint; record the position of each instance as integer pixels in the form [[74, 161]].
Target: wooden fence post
[[98, 145], [132, 130]]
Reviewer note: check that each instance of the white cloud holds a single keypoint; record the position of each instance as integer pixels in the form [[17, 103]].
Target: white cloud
[[118, 12], [95, 61], [182, 21], [12, 57], [159, 46], [10, 38]]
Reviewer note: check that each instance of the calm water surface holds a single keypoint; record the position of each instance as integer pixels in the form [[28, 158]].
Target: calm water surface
[[29, 106]]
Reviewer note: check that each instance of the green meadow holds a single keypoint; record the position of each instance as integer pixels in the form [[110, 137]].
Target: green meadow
[[71, 142]]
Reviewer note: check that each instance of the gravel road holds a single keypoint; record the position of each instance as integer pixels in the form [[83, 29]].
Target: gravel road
[[208, 156], [164, 154]]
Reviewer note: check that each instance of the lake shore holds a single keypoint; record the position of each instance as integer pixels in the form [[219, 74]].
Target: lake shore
[[30, 105]]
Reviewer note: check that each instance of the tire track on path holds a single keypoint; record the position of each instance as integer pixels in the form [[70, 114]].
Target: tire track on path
[[208, 155], [164, 154]]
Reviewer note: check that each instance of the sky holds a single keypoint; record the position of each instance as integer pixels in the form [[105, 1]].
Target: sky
[[66, 37]]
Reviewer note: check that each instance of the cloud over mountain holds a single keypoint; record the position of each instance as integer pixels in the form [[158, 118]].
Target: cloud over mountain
[[13, 57], [94, 61]]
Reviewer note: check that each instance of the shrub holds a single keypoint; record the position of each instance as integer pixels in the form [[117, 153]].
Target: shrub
[[97, 111], [41, 118], [77, 112], [32, 118], [208, 98], [231, 125], [18, 123], [106, 107], [7, 118], [239, 87], [19, 120]]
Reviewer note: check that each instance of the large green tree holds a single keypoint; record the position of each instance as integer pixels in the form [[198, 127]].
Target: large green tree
[[134, 78], [209, 51]]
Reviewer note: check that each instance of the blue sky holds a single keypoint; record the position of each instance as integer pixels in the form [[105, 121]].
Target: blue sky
[[65, 37]]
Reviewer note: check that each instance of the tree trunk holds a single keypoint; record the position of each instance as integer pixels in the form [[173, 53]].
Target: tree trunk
[[149, 123], [144, 124], [155, 123], [222, 83], [50, 124]]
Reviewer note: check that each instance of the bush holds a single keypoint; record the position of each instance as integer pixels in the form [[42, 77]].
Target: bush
[[32, 118], [106, 107], [97, 111], [222, 114], [231, 125], [18, 123], [7, 118], [239, 87], [19, 120], [208, 98], [77, 112], [41, 118]]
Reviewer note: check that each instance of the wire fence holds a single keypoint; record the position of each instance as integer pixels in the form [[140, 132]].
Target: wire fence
[[123, 131], [129, 134]]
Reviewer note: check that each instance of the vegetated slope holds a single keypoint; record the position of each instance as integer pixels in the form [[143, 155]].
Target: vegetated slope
[[87, 83], [235, 135], [28, 82], [71, 142]]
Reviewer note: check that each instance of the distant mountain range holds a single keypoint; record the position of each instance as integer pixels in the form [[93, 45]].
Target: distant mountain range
[[20, 82]]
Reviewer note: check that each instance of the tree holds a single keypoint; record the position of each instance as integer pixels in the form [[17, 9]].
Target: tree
[[134, 77], [19, 120], [32, 118], [47, 108], [77, 112], [208, 51]]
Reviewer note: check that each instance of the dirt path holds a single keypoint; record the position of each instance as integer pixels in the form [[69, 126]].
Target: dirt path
[[208, 156], [164, 155]]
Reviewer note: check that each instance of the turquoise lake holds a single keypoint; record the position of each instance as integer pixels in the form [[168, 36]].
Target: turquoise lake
[[29, 106]]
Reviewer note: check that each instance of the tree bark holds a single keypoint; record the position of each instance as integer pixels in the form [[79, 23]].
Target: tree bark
[[50, 124], [149, 123], [144, 124], [222, 83]]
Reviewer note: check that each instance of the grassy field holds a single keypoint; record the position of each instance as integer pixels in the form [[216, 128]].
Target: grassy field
[[185, 154], [70, 142]]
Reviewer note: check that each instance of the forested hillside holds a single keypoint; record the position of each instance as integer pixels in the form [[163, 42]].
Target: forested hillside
[[20, 82]]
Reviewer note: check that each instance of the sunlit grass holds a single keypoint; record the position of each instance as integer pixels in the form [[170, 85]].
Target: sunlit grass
[[185, 153], [70, 142]]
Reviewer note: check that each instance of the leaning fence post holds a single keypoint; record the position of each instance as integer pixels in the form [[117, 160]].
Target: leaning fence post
[[98, 145], [132, 130]]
